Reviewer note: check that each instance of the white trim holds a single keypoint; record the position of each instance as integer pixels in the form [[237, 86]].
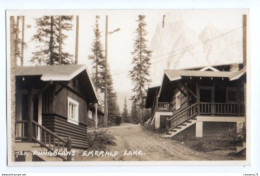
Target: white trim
[[209, 67], [76, 113], [220, 118], [176, 97]]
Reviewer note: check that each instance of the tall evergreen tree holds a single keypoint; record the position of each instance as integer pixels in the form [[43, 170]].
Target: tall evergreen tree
[[98, 59], [113, 109], [141, 64], [50, 36], [125, 113], [99, 75]]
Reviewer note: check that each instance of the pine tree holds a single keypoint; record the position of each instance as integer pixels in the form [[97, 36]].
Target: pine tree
[[98, 59], [113, 109], [50, 37], [125, 113], [141, 64]]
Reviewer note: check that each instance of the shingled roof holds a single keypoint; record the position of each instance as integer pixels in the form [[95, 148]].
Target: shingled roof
[[51, 72], [59, 73]]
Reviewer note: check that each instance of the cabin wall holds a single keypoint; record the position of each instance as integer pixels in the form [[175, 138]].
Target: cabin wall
[[60, 105], [64, 129]]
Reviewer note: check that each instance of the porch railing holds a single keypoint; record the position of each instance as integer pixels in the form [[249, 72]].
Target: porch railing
[[164, 106], [51, 141], [221, 108], [182, 116]]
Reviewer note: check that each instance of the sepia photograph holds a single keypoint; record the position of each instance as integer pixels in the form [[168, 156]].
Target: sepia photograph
[[128, 86]]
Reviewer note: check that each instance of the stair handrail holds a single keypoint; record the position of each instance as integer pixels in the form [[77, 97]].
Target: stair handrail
[[62, 143], [175, 117], [185, 109]]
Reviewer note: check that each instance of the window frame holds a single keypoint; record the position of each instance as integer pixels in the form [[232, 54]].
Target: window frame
[[228, 89], [74, 120]]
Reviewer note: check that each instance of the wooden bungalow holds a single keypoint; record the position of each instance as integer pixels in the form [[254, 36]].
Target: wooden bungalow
[[205, 102], [52, 104]]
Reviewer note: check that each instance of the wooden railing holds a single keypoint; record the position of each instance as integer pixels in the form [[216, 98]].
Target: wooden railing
[[164, 106], [51, 141], [21, 129], [221, 108], [182, 116]]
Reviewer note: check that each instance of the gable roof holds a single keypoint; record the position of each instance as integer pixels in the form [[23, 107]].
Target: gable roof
[[51, 72], [58, 73]]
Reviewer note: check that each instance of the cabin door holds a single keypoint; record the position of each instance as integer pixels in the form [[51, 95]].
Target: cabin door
[[22, 110], [206, 100]]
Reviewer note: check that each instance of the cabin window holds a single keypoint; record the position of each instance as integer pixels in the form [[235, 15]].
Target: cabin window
[[73, 111], [231, 95], [178, 100]]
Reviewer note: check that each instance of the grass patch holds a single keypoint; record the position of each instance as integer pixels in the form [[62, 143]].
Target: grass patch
[[206, 145]]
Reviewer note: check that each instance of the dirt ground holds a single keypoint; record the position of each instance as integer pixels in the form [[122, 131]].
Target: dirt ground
[[133, 143]]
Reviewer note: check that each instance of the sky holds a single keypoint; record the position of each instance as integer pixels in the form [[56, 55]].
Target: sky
[[120, 44]]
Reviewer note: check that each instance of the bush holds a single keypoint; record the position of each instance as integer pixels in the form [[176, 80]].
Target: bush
[[98, 140]]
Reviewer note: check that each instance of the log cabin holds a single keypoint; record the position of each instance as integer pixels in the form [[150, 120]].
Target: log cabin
[[53, 107], [199, 103]]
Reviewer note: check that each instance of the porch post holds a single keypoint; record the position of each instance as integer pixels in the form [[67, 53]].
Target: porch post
[[39, 115], [96, 116], [30, 115], [213, 106], [198, 97]]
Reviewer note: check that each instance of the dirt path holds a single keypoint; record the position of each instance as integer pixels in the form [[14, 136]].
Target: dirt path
[[136, 144]]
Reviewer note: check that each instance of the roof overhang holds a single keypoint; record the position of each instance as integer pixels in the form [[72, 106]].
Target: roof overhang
[[238, 74], [151, 93]]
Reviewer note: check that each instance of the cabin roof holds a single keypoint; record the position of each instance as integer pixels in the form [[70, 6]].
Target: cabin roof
[[151, 92], [60, 73], [174, 75], [51, 72], [238, 74]]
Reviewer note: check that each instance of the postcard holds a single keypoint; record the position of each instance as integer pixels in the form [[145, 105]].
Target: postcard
[[128, 87]]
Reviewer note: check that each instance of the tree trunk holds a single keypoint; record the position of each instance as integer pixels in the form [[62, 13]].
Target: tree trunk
[[60, 42], [22, 43], [51, 42], [77, 40], [13, 65], [17, 38]]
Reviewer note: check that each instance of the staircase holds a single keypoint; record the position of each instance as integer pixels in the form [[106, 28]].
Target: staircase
[[43, 140], [182, 120], [51, 141]]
